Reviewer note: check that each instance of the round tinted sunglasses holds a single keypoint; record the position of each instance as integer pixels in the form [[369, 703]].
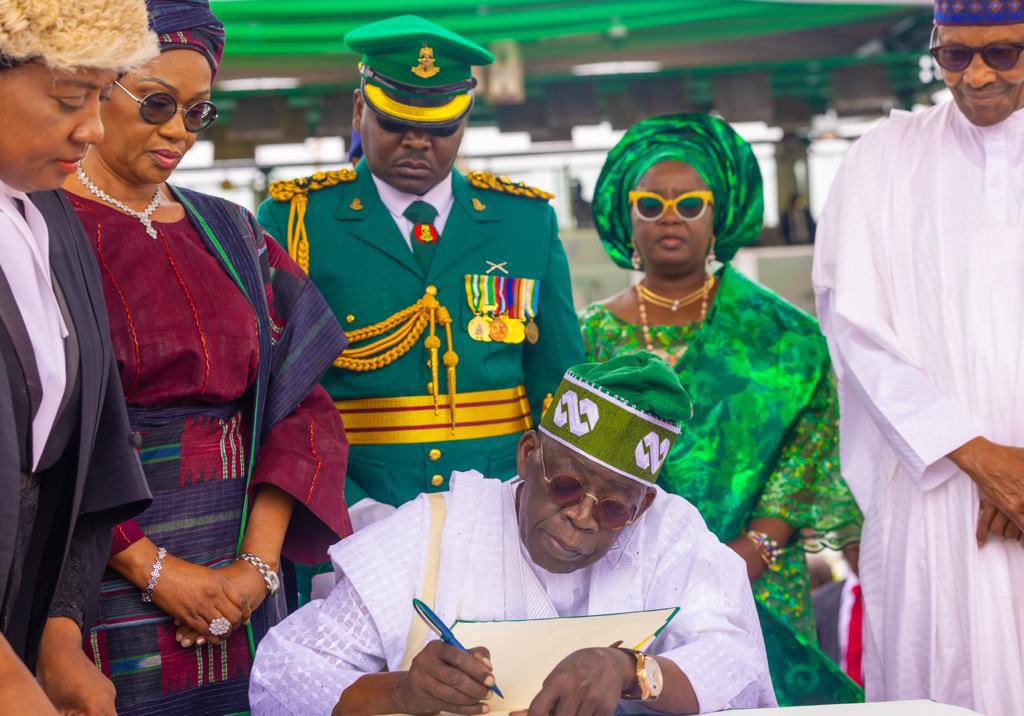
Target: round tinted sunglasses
[[690, 206], [1000, 56], [566, 490], [159, 107]]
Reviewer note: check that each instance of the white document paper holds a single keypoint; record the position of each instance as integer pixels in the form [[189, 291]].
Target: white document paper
[[523, 653]]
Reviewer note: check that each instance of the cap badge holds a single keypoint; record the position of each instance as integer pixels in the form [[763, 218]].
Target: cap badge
[[426, 68]]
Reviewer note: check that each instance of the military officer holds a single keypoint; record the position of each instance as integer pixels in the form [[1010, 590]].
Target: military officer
[[454, 289]]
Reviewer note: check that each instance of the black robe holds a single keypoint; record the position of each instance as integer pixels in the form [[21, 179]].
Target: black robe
[[94, 480]]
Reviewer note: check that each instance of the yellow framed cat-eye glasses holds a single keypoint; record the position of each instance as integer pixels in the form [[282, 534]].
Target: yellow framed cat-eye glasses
[[690, 206]]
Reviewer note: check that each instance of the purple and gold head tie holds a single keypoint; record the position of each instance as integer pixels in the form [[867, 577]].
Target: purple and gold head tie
[[188, 25], [979, 12]]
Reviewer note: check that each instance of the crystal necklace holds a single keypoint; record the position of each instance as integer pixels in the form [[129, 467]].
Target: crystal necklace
[[145, 217]]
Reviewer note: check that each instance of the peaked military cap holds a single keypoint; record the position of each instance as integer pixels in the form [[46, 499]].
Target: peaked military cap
[[415, 71]]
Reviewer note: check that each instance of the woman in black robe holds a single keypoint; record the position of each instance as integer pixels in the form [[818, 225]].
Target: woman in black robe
[[68, 467]]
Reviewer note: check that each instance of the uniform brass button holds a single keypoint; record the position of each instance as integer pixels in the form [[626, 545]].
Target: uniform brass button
[[350, 318], [430, 388], [434, 455], [432, 290], [437, 481]]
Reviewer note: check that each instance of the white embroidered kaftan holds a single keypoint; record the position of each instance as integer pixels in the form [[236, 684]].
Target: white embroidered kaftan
[[919, 276], [666, 559]]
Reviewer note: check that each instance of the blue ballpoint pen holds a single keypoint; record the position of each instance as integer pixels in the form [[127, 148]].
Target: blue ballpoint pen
[[438, 627]]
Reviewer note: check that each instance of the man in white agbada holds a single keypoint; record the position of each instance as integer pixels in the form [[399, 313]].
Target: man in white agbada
[[583, 530], [919, 276]]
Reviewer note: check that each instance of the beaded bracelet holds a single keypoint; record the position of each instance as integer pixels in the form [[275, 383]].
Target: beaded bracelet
[[154, 575], [767, 546]]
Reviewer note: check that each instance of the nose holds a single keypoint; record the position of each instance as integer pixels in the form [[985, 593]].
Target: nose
[[174, 128], [670, 217], [978, 74], [582, 514], [90, 129], [416, 139]]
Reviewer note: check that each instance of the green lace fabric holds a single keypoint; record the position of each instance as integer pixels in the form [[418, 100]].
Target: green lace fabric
[[763, 442]]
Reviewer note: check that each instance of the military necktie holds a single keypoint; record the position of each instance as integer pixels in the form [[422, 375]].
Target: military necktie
[[424, 233]]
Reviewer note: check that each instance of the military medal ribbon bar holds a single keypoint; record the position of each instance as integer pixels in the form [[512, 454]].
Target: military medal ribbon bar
[[503, 308]]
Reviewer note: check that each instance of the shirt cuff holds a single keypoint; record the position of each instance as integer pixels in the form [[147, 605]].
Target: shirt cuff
[[124, 536], [367, 511], [929, 437]]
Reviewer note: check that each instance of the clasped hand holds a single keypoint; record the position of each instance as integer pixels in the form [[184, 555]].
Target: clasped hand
[[998, 471], [195, 595]]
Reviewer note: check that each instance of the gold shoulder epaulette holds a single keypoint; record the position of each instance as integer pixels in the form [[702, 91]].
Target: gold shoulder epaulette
[[288, 189], [490, 182], [296, 191]]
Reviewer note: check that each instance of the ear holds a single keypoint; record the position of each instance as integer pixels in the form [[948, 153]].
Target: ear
[[647, 501], [528, 444], [358, 105]]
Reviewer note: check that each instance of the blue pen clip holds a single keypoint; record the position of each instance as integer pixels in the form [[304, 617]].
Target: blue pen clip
[[438, 627]]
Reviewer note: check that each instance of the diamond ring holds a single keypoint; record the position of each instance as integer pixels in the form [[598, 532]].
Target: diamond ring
[[220, 626]]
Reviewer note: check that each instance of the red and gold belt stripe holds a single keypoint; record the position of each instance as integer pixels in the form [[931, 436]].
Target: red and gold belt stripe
[[413, 419]]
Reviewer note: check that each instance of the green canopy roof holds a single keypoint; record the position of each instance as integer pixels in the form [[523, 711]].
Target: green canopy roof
[[272, 28]]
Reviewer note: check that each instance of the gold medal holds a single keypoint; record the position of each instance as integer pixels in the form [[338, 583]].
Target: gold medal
[[532, 332], [499, 330], [480, 329], [516, 330]]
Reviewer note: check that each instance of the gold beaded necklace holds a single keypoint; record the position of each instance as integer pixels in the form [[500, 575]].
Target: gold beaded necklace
[[704, 293], [672, 304]]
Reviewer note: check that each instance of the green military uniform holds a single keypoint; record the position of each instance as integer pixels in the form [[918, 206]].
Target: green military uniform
[[420, 396]]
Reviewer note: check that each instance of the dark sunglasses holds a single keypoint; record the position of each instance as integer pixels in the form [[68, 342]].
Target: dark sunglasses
[[1000, 56], [159, 107], [390, 125], [567, 490]]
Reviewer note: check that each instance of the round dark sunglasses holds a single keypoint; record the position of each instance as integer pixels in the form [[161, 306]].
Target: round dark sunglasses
[[159, 107], [390, 125], [567, 490], [1000, 56]]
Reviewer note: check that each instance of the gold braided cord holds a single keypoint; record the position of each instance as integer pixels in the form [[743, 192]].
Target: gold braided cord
[[297, 191], [490, 182], [397, 334]]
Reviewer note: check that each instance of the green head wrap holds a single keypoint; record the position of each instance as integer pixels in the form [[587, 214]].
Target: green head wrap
[[723, 159], [623, 414]]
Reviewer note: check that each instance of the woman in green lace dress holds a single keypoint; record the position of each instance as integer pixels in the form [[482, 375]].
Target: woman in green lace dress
[[676, 198]]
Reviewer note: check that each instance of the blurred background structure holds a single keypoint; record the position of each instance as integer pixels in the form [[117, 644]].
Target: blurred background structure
[[801, 80]]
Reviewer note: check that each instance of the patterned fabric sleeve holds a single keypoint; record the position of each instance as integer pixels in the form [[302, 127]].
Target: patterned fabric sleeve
[[590, 319], [73, 588], [806, 488], [307, 661], [305, 455]]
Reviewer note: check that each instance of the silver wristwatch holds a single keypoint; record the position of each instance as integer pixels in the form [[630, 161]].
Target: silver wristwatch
[[269, 575]]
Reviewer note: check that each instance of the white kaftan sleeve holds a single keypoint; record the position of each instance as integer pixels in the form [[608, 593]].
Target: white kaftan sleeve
[[855, 289], [715, 639], [305, 663]]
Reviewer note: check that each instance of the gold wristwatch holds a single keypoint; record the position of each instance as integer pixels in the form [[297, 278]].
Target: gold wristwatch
[[649, 682]]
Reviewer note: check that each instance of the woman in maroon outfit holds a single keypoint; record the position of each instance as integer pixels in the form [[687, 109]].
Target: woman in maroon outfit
[[220, 341]]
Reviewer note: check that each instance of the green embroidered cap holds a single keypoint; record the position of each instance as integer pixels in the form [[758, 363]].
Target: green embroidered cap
[[415, 71], [623, 414]]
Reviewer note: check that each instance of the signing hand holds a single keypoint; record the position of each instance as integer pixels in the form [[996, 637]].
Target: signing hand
[[442, 678], [994, 521], [588, 682], [998, 471], [196, 595], [249, 582]]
